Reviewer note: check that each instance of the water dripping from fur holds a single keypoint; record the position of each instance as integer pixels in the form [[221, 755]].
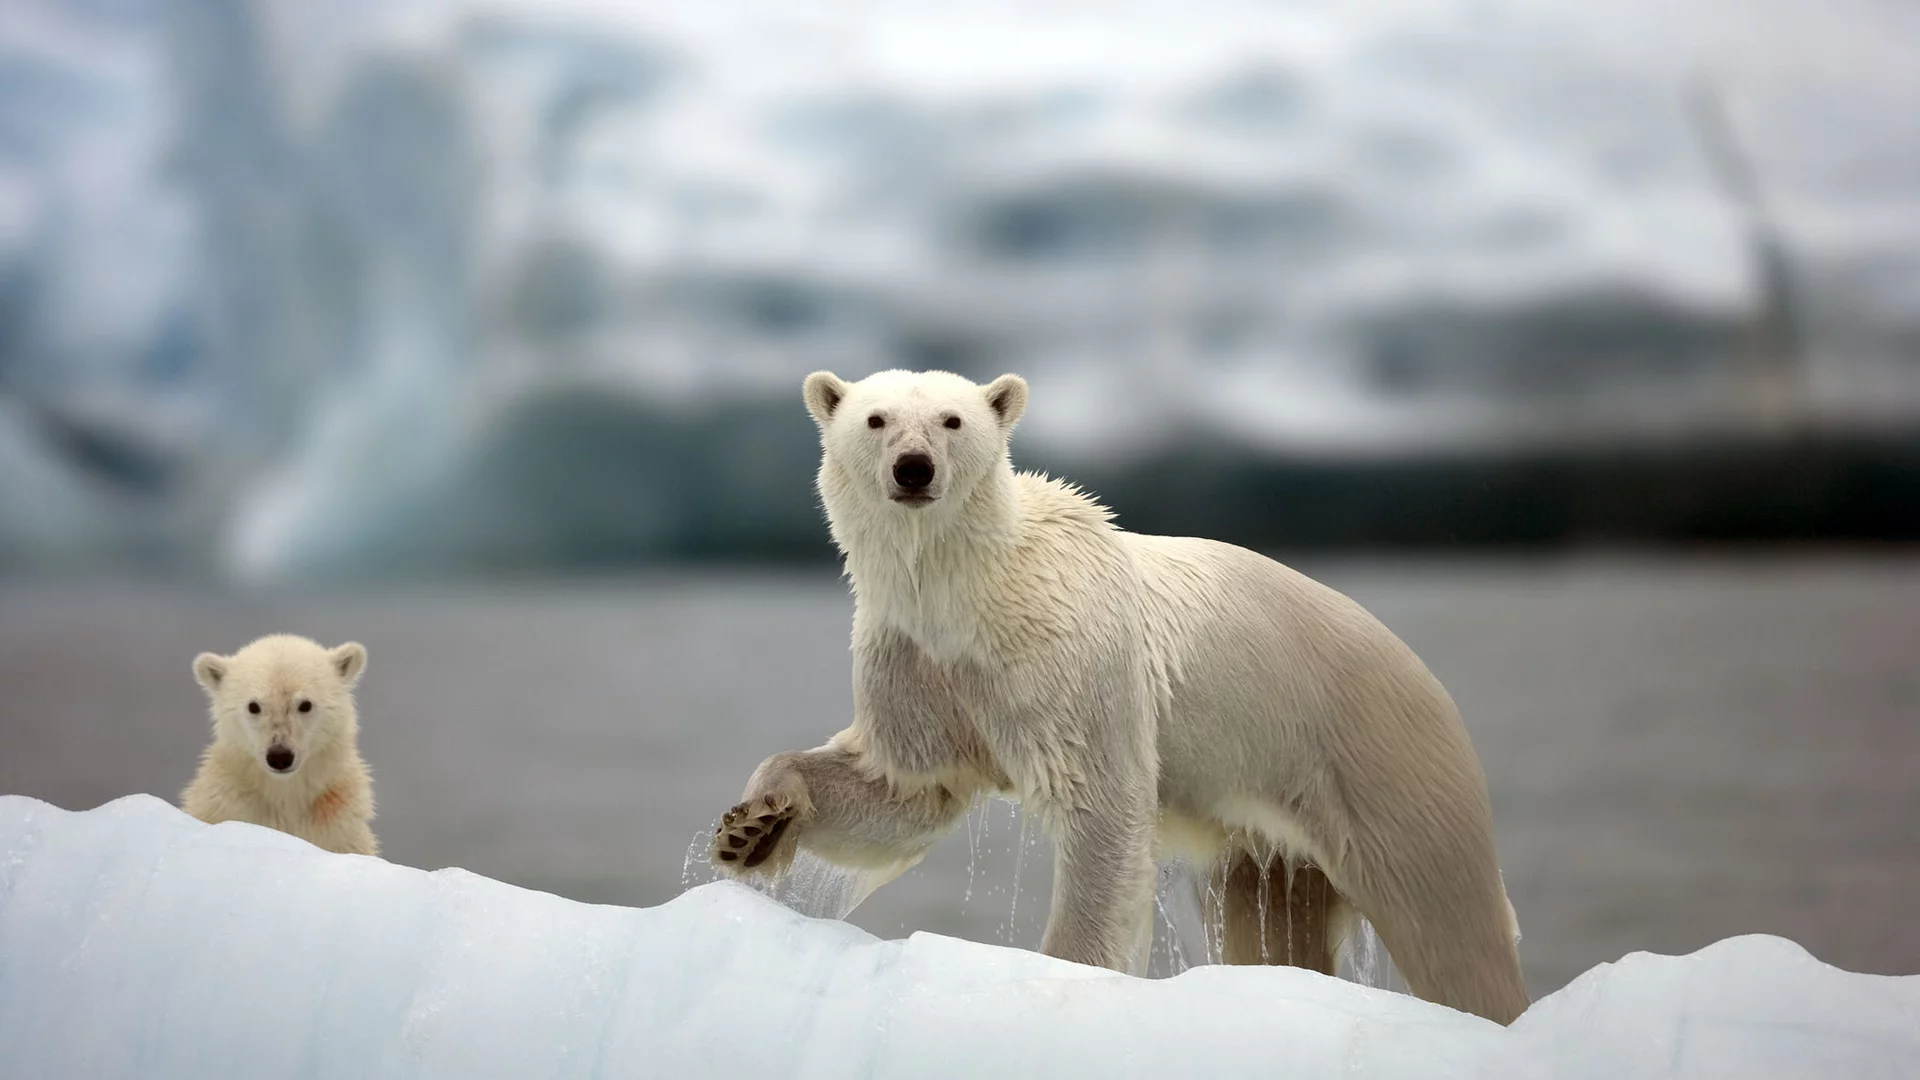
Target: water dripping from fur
[[1189, 927], [1363, 959], [696, 870], [1190, 924], [1019, 864], [976, 836], [816, 887], [811, 885], [1287, 867], [1180, 935]]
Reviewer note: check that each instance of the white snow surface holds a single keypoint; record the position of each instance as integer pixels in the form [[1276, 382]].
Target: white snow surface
[[137, 942]]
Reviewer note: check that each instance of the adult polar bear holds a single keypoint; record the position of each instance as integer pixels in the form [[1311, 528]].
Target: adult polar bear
[[1133, 692]]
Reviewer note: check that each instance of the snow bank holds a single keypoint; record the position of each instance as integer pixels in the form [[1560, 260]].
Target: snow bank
[[135, 942]]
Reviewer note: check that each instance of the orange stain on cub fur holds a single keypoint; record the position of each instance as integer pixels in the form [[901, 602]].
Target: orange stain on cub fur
[[330, 802]]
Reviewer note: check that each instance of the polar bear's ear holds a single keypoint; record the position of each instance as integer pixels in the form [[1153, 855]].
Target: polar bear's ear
[[209, 669], [349, 660], [823, 391], [1008, 397]]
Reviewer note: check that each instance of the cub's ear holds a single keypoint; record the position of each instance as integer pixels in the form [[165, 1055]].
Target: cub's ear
[[209, 669], [823, 391], [349, 660], [1007, 395]]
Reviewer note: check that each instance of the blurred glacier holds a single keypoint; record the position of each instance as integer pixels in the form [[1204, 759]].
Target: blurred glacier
[[139, 943], [301, 288]]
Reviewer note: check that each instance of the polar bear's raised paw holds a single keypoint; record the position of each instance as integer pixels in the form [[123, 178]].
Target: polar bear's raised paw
[[750, 833]]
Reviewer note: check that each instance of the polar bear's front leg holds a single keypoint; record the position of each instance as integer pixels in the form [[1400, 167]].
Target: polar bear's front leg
[[834, 804], [1103, 887]]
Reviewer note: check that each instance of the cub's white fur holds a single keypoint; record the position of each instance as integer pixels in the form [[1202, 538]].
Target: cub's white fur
[[285, 748], [1126, 688]]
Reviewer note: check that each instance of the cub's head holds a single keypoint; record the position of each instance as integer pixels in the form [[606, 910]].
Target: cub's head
[[282, 698], [904, 441]]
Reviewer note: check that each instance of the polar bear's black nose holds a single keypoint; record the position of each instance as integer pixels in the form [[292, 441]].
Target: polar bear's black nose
[[279, 758], [913, 471]]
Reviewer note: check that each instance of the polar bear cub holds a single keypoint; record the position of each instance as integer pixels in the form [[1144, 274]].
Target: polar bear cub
[[285, 750], [1140, 695]]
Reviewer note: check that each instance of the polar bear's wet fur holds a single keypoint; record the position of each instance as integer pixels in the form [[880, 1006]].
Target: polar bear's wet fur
[[1143, 696], [285, 751]]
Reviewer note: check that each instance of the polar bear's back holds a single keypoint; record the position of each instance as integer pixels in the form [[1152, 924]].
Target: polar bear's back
[[1270, 675]]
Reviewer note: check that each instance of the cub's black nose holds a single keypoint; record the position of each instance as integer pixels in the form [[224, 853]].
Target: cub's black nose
[[913, 471], [279, 758]]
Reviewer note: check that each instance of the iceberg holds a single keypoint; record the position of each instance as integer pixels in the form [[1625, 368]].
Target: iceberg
[[317, 234], [137, 942]]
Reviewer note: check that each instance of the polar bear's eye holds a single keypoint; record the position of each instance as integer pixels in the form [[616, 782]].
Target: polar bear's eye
[[875, 421], [953, 422], [253, 707], [306, 706]]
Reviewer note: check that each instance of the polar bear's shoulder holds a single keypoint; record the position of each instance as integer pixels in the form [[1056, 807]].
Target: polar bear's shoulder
[[1046, 502]]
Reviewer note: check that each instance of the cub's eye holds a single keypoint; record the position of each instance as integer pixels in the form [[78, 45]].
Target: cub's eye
[[875, 421], [253, 707], [306, 706], [953, 423]]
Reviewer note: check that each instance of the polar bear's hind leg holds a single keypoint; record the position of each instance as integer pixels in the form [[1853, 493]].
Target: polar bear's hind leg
[[1277, 911]]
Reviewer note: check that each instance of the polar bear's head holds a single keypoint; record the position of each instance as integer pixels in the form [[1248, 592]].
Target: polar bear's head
[[908, 440], [283, 698]]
